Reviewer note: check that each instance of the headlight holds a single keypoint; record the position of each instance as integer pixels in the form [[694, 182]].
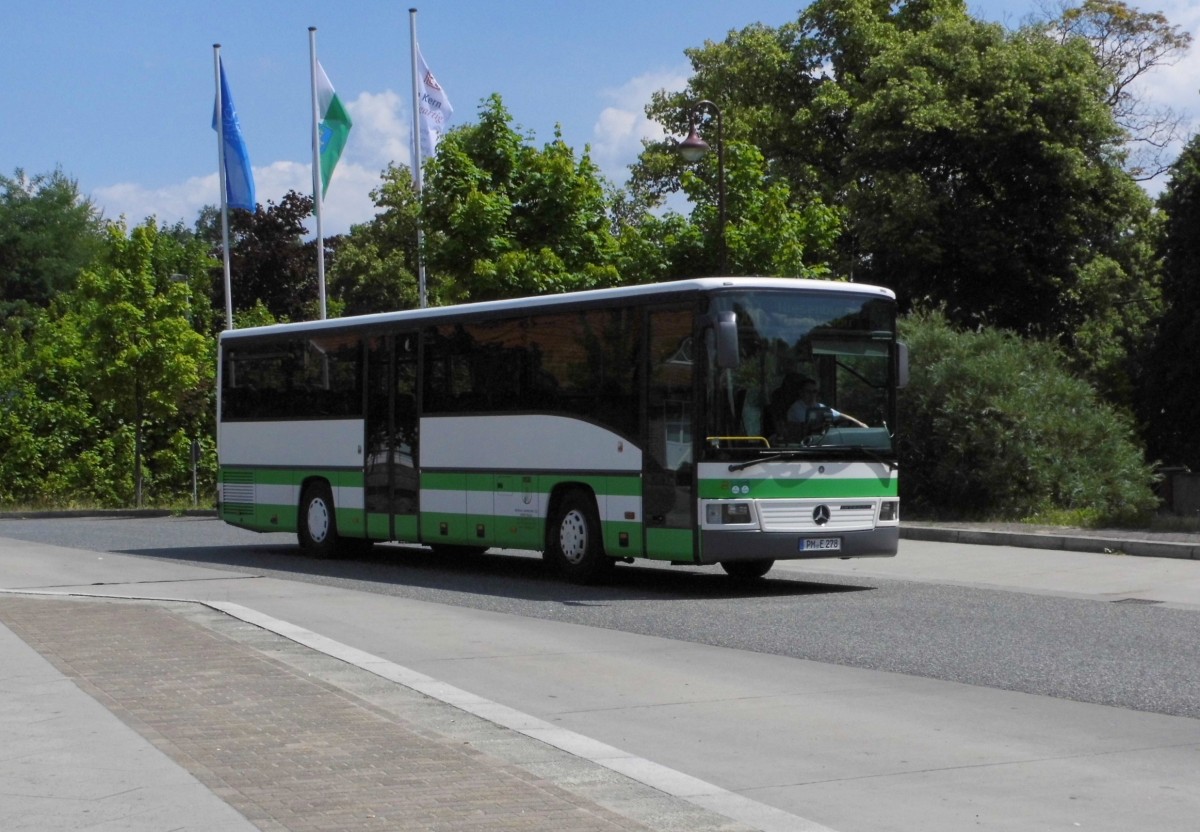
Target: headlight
[[719, 514], [889, 510]]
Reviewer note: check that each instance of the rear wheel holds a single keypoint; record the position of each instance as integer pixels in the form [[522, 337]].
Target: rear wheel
[[747, 569], [575, 548], [318, 524]]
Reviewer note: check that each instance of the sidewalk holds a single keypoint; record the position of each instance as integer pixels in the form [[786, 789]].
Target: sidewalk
[[150, 716], [1139, 542], [265, 734]]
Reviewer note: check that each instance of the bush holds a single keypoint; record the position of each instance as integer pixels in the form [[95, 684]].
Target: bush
[[996, 427]]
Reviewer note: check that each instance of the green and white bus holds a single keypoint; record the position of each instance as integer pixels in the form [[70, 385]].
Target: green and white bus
[[595, 427]]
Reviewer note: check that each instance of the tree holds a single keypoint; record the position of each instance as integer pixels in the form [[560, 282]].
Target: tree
[[269, 259], [987, 174], [44, 417], [1128, 44], [505, 219], [138, 356], [101, 398], [376, 265], [971, 167], [997, 427], [48, 232], [1171, 385]]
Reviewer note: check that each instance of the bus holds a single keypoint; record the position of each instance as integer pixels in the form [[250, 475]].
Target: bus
[[594, 427]]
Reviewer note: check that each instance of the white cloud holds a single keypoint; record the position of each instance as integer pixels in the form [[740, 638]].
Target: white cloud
[[380, 135], [170, 203], [620, 129]]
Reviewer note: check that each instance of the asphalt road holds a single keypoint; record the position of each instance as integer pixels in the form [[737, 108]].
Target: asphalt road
[[1129, 655]]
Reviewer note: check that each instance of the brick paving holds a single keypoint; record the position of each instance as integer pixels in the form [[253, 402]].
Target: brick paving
[[295, 740]]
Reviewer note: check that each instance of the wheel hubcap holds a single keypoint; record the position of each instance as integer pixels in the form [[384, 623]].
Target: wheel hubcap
[[572, 537], [318, 520]]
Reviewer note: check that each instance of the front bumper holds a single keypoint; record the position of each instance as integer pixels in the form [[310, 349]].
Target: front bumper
[[717, 545]]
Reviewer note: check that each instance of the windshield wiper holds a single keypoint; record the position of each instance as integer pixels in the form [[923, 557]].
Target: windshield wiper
[[815, 450], [741, 466], [862, 449]]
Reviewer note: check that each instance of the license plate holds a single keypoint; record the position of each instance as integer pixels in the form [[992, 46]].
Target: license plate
[[821, 544]]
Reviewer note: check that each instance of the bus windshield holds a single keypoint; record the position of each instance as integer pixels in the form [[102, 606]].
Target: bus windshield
[[814, 375]]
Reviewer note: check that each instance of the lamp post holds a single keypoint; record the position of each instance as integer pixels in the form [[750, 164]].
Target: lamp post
[[693, 149]]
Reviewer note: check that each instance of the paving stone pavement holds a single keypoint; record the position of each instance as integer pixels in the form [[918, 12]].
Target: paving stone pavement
[[296, 740]]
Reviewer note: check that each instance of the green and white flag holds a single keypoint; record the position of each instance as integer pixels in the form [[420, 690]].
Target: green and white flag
[[334, 128]]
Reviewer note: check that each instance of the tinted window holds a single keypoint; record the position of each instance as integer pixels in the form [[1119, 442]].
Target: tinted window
[[301, 378], [576, 363]]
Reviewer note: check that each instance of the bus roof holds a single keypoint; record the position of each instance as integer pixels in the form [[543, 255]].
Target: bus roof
[[516, 305]]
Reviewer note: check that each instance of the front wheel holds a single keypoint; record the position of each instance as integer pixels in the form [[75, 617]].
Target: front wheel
[[747, 569], [574, 547], [318, 524]]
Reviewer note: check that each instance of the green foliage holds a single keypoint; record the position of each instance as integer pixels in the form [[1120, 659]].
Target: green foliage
[[506, 219], [376, 265], [994, 171], [969, 166], [997, 427], [269, 258], [982, 171], [99, 393], [1171, 383], [48, 232]]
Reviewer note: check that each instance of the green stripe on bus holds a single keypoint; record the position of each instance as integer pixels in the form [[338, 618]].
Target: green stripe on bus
[[811, 487], [263, 517], [612, 485], [294, 476]]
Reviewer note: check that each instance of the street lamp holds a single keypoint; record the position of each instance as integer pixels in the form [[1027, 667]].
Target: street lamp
[[693, 149]]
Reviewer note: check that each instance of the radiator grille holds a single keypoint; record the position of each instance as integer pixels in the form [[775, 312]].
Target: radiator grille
[[801, 515], [237, 492]]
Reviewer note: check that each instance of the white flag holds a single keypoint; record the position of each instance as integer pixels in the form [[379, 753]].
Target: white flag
[[435, 109]]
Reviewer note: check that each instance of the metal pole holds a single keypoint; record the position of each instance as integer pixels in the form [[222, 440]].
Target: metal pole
[[418, 184], [316, 168], [220, 114]]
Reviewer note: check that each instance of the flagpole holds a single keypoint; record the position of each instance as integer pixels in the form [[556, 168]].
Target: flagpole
[[417, 175], [316, 167], [220, 116]]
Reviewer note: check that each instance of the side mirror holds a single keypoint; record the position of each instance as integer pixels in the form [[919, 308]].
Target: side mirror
[[901, 365], [728, 356]]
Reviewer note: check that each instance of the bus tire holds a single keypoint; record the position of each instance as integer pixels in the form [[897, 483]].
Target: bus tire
[[747, 569], [318, 523], [575, 544]]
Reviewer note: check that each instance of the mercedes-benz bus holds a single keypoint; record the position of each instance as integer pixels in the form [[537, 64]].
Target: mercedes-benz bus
[[595, 427]]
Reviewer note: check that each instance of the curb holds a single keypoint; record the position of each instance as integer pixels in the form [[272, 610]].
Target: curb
[[66, 514], [1061, 542]]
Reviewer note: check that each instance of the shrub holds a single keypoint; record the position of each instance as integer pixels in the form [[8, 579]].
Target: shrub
[[996, 427]]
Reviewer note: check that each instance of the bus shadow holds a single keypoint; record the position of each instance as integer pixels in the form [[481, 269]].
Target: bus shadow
[[518, 576]]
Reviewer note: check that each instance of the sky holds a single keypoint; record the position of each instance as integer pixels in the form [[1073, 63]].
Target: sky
[[119, 94]]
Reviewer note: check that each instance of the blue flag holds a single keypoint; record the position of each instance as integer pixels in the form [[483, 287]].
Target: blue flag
[[239, 178]]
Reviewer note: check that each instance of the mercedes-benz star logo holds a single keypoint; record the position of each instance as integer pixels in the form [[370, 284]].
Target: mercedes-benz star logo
[[821, 515]]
